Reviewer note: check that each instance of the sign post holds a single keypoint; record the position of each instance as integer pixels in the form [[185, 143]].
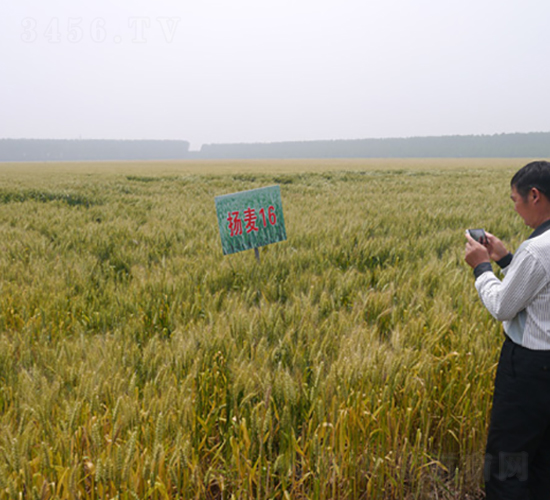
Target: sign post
[[250, 219]]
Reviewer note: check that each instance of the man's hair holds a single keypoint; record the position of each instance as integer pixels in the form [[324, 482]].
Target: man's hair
[[534, 175]]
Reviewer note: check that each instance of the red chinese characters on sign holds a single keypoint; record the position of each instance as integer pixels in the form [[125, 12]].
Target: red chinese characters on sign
[[250, 219], [235, 224]]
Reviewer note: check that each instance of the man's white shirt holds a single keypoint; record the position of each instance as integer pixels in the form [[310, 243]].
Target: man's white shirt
[[522, 299]]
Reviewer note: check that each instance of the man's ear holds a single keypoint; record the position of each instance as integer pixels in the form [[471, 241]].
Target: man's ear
[[536, 194]]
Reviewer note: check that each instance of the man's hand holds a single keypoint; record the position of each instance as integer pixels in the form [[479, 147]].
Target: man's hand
[[476, 253], [496, 248]]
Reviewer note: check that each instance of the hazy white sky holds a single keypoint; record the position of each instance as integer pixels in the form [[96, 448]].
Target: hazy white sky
[[271, 70]]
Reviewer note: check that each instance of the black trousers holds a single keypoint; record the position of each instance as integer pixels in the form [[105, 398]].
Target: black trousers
[[517, 459]]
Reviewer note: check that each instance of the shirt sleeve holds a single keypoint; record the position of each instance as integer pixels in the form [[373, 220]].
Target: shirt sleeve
[[505, 261], [524, 279]]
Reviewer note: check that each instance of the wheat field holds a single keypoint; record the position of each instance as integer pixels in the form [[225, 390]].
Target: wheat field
[[354, 362]]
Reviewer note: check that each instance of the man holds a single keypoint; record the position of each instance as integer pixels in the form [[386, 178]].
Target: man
[[517, 460]]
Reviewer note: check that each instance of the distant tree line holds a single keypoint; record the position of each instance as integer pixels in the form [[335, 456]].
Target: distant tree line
[[453, 146], [535, 144]]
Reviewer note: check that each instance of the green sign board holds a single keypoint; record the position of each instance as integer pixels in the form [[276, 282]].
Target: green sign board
[[250, 219]]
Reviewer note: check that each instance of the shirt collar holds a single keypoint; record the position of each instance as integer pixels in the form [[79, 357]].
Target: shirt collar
[[545, 226]]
